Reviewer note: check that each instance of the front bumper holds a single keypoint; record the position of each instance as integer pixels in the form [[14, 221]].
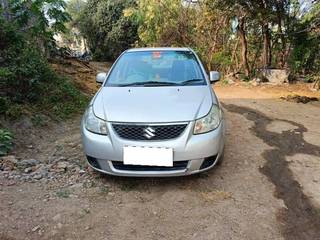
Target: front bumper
[[196, 150]]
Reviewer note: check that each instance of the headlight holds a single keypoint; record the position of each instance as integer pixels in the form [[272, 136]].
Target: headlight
[[94, 124], [209, 122]]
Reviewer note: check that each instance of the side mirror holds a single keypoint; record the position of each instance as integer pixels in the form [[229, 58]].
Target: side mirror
[[101, 77], [214, 76]]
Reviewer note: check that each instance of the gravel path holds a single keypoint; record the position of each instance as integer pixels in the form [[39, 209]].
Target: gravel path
[[266, 188]]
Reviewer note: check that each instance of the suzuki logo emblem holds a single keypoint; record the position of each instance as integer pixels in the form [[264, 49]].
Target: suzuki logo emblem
[[149, 132]]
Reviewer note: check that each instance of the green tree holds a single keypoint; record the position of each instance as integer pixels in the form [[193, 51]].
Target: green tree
[[38, 20], [74, 8], [107, 31], [72, 35], [26, 78], [305, 38], [164, 22]]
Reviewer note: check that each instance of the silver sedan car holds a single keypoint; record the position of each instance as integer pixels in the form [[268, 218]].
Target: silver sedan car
[[154, 115]]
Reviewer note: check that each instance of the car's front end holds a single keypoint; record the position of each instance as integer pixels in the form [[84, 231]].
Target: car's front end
[[192, 153], [154, 130]]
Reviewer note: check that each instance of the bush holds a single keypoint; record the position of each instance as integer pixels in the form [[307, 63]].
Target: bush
[[221, 61], [4, 105], [63, 98], [305, 54], [310, 78], [6, 144], [26, 79], [15, 111], [107, 31]]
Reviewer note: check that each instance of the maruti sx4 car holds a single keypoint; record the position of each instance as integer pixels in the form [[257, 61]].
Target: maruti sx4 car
[[155, 114]]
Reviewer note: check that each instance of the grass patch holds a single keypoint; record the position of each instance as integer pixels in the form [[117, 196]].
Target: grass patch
[[224, 81], [104, 189], [6, 142], [62, 100], [63, 193], [39, 120]]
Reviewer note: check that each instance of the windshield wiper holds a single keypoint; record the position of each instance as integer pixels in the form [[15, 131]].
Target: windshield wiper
[[148, 83], [192, 81], [156, 83]]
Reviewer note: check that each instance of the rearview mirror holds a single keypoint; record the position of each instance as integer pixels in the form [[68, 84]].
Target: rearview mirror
[[214, 76], [101, 77]]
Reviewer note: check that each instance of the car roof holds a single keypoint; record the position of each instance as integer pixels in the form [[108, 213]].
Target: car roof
[[158, 49]]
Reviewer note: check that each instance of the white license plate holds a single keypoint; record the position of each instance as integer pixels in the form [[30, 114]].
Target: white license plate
[[148, 156]]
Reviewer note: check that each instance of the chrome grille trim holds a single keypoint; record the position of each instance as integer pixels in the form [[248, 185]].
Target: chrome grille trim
[[149, 132]]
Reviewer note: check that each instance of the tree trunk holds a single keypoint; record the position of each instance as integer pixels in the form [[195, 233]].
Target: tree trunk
[[266, 55], [280, 13], [234, 58], [244, 46]]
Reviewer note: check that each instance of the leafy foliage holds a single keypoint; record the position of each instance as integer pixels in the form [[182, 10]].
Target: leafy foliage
[[233, 35], [160, 22], [38, 20], [26, 78], [107, 31], [74, 9], [6, 142], [305, 56]]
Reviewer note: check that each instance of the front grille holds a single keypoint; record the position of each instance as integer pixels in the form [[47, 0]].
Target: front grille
[[180, 165], [149, 132]]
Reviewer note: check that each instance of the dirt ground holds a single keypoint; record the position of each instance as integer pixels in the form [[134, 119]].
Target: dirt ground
[[268, 186]]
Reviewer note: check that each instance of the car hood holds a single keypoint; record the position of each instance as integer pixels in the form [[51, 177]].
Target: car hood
[[153, 104]]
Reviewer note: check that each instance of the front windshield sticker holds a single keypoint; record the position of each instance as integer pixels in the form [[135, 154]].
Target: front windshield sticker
[[156, 55]]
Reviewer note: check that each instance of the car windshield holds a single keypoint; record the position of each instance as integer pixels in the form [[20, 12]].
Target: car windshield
[[156, 68]]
